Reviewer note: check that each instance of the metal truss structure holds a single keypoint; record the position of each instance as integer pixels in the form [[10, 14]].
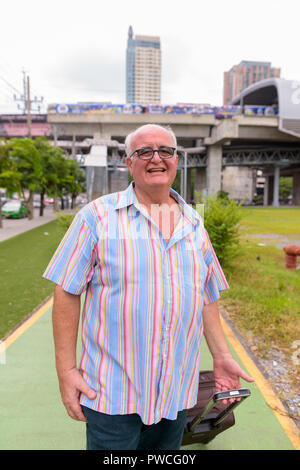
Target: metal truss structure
[[193, 160], [261, 157], [231, 157]]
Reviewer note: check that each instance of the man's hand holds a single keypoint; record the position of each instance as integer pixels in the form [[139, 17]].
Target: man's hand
[[227, 371], [65, 318], [228, 374], [71, 384]]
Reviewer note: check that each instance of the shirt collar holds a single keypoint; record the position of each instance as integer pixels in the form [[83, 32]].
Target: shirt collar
[[187, 209], [128, 198]]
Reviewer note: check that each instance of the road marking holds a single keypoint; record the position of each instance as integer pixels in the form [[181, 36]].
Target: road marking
[[26, 324], [272, 400]]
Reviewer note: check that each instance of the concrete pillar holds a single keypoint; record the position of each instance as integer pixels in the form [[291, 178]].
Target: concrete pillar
[[117, 180], [276, 186], [199, 178], [214, 168], [239, 182], [269, 196], [266, 191], [296, 189], [183, 177], [97, 177], [190, 186]]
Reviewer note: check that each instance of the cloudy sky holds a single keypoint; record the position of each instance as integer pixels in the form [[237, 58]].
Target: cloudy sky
[[75, 50]]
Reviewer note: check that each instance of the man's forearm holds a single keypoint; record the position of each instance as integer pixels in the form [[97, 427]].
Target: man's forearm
[[65, 319], [213, 331]]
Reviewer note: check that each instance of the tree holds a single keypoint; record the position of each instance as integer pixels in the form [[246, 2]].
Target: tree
[[10, 177], [285, 187], [37, 166], [26, 157], [60, 175], [76, 180], [50, 157], [63, 178]]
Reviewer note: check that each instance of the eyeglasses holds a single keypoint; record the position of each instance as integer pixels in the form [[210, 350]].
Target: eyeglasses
[[147, 153]]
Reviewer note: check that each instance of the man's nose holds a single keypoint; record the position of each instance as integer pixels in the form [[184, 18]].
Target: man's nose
[[156, 155]]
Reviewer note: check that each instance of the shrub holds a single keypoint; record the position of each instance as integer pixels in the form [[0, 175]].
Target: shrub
[[221, 218], [64, 220]]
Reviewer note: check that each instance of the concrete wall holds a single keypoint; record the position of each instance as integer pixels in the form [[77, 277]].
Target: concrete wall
[[118, 180]]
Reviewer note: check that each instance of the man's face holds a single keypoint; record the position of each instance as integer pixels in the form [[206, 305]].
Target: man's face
[[156, 173]]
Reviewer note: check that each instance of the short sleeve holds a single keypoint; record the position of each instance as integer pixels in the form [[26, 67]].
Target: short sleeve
[[71, 266], [215, 281]]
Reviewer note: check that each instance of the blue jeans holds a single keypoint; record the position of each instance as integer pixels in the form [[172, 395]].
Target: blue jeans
[[127, 432]]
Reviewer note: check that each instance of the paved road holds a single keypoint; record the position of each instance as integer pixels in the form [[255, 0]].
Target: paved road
[[12, 227]]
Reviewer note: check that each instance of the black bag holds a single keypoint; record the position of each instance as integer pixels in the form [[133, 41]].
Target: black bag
[[210, 416]]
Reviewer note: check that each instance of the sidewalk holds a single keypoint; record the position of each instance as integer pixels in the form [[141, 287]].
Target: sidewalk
[[13, 227]]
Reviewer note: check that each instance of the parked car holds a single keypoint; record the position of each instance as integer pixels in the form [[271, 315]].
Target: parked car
[[14, 210], [49, 200]]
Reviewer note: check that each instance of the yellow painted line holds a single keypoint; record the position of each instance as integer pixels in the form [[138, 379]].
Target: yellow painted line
[[26, 324], [272, 400]]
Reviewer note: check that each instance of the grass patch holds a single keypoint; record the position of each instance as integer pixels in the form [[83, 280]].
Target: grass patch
[[23, 260], [271, 220], [264, 297]]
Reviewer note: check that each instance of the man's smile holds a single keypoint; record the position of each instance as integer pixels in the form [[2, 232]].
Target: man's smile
[[154, 170]]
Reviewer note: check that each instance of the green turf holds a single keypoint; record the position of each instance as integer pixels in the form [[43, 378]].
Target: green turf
[[23, 260], [272, 220], [264, 296]]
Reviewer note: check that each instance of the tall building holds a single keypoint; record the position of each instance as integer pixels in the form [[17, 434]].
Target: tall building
[[143, 69], [245, 74]]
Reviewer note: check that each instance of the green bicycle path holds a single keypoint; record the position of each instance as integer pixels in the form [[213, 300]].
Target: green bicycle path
[[32, 416]]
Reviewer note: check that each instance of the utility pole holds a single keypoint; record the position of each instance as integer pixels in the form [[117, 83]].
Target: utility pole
[[27, 102], [28, 109]]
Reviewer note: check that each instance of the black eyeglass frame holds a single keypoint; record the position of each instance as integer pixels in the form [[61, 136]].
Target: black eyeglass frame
[[153, 152]]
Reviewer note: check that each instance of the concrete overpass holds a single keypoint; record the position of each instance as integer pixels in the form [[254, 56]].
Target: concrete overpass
[[285, 94], [220, 154]]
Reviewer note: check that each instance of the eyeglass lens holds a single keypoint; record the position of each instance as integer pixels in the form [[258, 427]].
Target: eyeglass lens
[[147, 152]]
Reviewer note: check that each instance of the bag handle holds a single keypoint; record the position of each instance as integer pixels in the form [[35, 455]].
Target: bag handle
[[241, 393]]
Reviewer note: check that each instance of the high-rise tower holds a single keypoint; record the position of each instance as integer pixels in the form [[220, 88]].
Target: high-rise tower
[[245, 74], [143, 69]]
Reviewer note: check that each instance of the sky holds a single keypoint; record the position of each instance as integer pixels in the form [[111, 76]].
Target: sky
[[75, 50]]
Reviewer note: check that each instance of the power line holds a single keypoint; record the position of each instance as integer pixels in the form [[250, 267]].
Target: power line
[[6, 93], [9, 84]]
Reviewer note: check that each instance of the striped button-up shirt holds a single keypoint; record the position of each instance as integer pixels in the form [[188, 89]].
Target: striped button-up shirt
[[142, 315]]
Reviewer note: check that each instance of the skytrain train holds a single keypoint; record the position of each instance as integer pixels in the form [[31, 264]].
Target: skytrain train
[[193, 109]]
